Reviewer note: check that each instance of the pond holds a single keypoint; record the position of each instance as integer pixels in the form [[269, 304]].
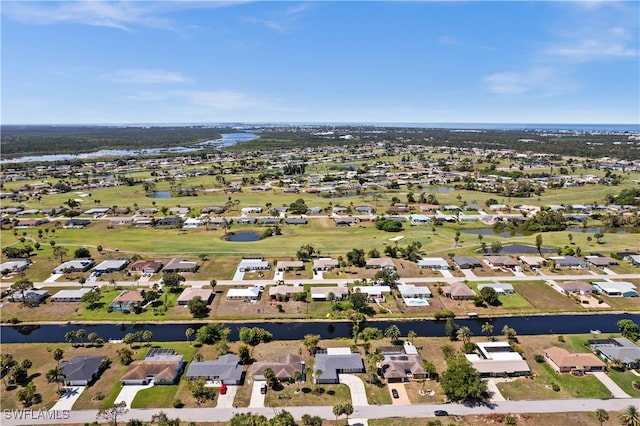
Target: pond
[[243, 237], [161, 194], [490, 231], [439, 189], [171, 332]]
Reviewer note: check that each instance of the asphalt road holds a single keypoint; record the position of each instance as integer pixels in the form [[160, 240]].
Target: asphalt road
[[21, 417]]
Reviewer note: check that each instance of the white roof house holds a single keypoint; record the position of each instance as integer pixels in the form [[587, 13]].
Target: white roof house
[[410, 291], [500, 288], [373, 291], [433, 263], [70, 295], [253, 265], [250, 293], [617, 289]]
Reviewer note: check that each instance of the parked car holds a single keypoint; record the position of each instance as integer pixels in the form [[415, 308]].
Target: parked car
[[440, 413], [394, 393], [223, 389], [263, 389]]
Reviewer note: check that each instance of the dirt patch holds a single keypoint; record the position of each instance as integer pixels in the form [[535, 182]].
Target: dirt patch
[[43, 312]]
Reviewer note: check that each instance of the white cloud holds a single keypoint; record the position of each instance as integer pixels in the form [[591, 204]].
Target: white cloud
[[592, 49], [281, 20], [539, 82], [123, 15], [145, 76], [219, 100]]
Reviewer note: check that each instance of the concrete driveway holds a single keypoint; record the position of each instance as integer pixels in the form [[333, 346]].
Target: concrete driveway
[[257, 398], [226, 400], [403, 398], [69, 398], [610, 384], [129, 392], [358, 393]]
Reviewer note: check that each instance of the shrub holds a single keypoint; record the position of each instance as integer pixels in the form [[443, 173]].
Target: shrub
[[555, 387], [538, 358]]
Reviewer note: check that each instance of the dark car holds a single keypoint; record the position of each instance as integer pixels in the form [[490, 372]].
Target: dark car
[[440, 413], [263, 389], [394, 393]]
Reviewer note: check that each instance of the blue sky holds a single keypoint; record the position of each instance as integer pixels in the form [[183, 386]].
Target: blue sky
[[194, 62]]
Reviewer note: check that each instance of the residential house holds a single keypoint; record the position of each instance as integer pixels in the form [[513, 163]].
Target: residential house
[[498, 359], [29, 296], [562, 361], [419, 219], [146, 266], [345, 221], [436, 263], [295, 221], [573, 287], [458, 291], [373, 292], [161, 365], [402, 367], [127, 300], [283, 368], [250, 293], [246, 220], [334, 362], [619, 349], [249, 210], [364, 209], [289, 265], [192, 292], [77, 223], [76, 265], [70, 295], [328, 293], [569, 262], [601, 261], [324, 264], [170, 221], [179, 211], [410, 291], [501, 262], [616, 289], [270, 220], [381, 263], [82, 370], [284, 292], [532, 261], [226, 370], [15, 265], [181, 265], [253, 264], [111, 265], [466, 262], [500, 288]]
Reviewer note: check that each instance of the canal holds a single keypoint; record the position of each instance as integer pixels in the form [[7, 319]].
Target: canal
[[167, 332]]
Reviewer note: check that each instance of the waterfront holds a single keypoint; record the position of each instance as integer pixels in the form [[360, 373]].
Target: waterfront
[[296, 330]]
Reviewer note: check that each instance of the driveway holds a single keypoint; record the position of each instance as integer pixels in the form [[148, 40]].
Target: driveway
[[446, 273], [493, 390], [610, 384], [52, 278], [468, 273], [403, 398], [128, 393], [70, 397], [257, 398], [358, 393], [226, 400], [238, 276]]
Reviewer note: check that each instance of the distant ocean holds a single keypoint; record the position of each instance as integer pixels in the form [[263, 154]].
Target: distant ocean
[[509, 126]]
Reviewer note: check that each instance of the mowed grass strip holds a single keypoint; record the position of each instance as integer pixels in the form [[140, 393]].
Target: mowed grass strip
[[158, 396]]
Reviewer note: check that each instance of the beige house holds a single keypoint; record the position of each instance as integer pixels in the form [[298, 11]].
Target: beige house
[[563, 361]]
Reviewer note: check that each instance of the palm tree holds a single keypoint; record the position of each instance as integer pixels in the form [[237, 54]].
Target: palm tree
[[487, 329], [393, 333], [602, 415], [56, 375], [296, 376], [189, 333], [58, 354], [411, 335], [464, 334], [317, 375], [630, 416]]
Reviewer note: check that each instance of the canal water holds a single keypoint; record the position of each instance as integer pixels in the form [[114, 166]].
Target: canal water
[[166, 332]]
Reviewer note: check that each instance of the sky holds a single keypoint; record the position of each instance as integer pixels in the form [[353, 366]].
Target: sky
[[126, 62]]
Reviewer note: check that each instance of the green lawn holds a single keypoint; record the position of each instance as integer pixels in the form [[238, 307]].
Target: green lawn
[[579, 387], [159, 396], [101, 313], [624, 380]]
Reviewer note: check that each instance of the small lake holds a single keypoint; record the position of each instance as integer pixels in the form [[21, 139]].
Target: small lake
[[243, 237], [161, 194], [490, 231], [167, 332], [439, 189], [516, 233], [226, 139]]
